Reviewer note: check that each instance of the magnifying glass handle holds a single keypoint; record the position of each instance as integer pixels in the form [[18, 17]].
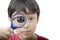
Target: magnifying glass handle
[[13, 27]]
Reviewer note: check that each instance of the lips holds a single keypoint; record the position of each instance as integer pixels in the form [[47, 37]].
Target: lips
[[26, 32]]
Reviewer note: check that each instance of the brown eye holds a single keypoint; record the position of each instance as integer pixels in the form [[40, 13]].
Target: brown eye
[[19, 19], [31, 18]]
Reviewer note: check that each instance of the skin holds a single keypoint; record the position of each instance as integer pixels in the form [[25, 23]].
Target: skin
[[6, 33], [24, 33], [30, 26]]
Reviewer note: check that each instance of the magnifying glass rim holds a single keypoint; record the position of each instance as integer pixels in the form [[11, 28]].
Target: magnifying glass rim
[[12, 25]]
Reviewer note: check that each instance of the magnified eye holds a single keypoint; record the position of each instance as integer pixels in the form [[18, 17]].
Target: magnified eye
[[19, 19]]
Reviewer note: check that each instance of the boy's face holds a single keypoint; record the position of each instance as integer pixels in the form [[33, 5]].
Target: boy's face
[[28, 29]]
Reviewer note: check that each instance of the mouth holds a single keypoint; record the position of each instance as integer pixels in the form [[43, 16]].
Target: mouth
[[26, 32]]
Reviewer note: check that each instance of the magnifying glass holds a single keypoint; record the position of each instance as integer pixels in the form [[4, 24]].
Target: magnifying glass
[[18, 20]]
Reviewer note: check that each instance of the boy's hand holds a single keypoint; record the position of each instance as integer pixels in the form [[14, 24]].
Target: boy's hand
[[5, 34]]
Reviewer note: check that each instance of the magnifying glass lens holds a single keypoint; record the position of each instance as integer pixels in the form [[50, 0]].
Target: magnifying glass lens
[[18, 20]]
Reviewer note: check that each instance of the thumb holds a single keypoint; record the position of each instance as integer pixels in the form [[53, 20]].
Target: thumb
[[10, 30]]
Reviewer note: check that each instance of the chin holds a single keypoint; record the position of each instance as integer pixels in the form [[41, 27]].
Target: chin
[[26, 35]]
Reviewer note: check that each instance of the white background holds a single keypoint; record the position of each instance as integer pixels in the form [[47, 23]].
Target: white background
[[49, 21]]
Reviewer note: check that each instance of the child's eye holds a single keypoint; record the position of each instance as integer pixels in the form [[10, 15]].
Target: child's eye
[[19, 19], [31, 18]]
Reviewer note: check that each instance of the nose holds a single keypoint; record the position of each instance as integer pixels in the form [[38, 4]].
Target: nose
[[26, 25]]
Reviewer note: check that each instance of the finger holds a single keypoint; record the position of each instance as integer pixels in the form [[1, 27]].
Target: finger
[[7, 33], [3, 36], [11, 30]]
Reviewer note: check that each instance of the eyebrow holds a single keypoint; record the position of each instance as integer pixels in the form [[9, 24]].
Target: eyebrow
[[27, 11], [16, 17], [16, 13]]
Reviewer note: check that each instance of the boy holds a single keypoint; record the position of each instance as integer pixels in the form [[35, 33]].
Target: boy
[[31, 10]]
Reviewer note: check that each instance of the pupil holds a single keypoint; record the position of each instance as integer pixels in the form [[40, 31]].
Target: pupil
[[30, 18], [20, 19]]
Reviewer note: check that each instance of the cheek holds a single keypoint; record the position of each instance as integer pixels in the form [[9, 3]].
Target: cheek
[[33, 25], [19, 30]]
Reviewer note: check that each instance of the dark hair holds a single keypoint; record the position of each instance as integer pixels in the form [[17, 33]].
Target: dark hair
[[21, 5]]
